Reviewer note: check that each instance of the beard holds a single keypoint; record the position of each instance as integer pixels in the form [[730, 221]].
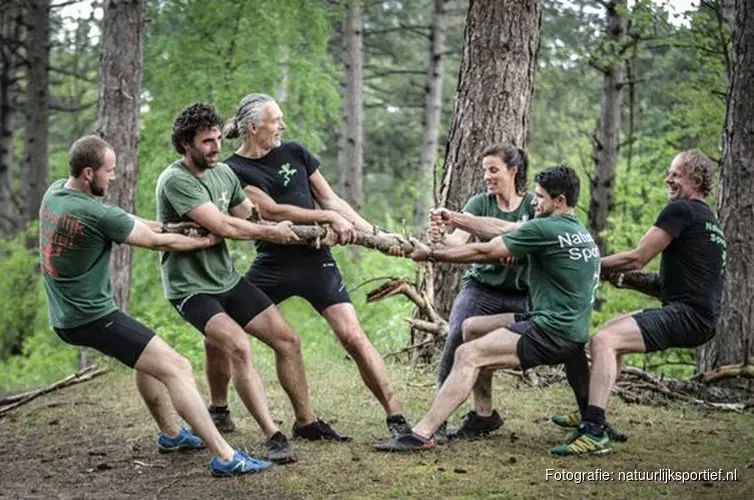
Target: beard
[[543, 213], [97, 189], [202, 162]]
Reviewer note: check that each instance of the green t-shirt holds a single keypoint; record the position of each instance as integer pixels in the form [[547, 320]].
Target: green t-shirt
[[504, 278], [76, 234], [208, 270], [563, 275]]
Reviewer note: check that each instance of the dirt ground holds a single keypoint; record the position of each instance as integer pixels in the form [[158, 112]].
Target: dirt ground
[[95, 441]]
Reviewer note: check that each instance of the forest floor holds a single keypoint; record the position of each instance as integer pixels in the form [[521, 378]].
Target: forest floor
[[95, 440]]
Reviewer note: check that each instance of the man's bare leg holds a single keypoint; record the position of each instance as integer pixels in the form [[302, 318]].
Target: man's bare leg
[[224, 333], [608, 345], [218, 371], [494, 350], [160, 362], [270, 327], [343, 321], [474, 328]]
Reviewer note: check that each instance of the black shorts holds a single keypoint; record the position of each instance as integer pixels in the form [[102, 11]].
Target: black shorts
[[242, 303], [118, 335], [537, 347], [315, 280], [674, 325]]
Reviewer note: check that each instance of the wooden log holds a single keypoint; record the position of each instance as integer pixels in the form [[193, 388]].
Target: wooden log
[[642, 282], [76, 378], [728, 371], [317, 236]]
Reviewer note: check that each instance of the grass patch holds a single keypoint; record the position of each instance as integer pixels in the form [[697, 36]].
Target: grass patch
[[104, 422]]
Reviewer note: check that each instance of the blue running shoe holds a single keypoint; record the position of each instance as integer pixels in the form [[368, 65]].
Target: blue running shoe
[[240, 464], [185, 440]]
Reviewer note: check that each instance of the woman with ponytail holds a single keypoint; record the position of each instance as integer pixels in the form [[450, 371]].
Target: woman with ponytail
[[487, 289]]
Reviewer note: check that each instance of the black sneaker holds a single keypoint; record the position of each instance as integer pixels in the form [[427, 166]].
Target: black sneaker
[[406, 442], [615, 434], [474, 425], [319, 429], [279, 449], [221, 417], [397, 425], [441, 436]]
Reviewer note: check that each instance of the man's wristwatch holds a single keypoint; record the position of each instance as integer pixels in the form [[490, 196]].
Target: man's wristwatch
[[431, 256]]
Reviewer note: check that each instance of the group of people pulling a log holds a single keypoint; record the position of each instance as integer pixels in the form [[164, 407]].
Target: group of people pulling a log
[[525, 301]]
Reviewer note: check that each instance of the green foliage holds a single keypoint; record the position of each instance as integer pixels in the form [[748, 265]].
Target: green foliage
[[20, 289], [290, 49]]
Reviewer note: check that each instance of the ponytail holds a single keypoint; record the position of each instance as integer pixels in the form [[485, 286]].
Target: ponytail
[[522, 174], [231, 129]]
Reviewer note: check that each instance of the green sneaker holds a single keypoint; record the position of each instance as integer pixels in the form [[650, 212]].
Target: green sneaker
[[566, 420], [572, 421], [583, 444]]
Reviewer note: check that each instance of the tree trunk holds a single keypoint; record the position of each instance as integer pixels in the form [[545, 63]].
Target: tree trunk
[[432, 113], [281, 93], [734, 342], [351, 152], [496, 79], [607, 138], [118, 116], [11, 32], [34, 172]]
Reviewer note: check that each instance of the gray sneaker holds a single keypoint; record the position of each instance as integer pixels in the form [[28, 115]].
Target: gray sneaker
[[279, 449], [397, 425], [221, 418]]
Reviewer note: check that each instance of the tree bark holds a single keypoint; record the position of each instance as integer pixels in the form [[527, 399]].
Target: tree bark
[[351, 144], [607, 139], [496, 79], [734, 342], [12, 32], [432, 113], [118, 116], [34, 173]]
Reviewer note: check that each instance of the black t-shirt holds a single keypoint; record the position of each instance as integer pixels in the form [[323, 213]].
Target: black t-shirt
[[283, 174], [693, 265]]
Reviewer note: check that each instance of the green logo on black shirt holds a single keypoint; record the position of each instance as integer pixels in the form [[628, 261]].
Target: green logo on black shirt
[[286, 172]]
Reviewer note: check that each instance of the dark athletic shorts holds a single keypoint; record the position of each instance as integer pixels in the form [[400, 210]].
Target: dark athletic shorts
[[242, 303], [537, 347], [118, 335], [674, 325], [315, 280]]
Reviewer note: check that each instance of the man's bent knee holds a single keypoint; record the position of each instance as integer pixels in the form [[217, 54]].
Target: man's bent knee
[[471, 328], [464, 356], [618, 338]]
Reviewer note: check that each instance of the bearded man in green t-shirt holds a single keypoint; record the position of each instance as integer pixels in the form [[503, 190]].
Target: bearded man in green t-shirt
[[564, 265], [208, 292], [76, 235]]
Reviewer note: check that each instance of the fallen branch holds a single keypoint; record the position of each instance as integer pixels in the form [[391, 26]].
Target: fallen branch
[[410, 348], [439, 330], [636, 372], [83, 376], [15, 397], [400, 286], [728, 371]]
